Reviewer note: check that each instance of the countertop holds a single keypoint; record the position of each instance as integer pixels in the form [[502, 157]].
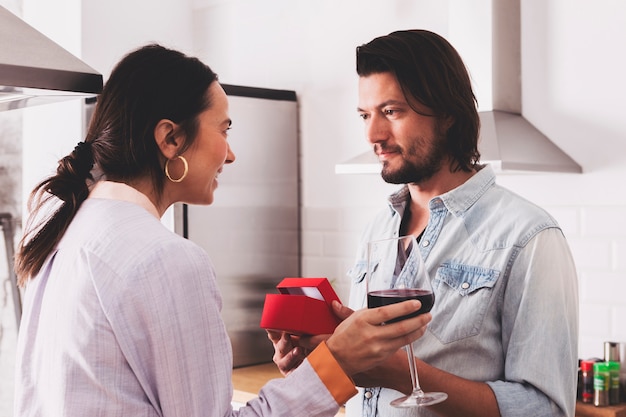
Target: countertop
[[248, 380], [589, 410]]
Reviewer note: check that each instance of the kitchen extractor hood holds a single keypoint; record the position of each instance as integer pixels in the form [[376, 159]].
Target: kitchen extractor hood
[[35, 70], [507, 141]]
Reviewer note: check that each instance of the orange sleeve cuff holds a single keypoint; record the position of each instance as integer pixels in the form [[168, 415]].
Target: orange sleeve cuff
[[339, 384]]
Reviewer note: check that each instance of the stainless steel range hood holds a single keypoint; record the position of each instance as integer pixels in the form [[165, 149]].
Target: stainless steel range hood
[[507, 140], [35, 70]]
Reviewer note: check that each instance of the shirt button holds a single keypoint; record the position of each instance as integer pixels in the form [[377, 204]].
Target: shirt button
[[465, 285], [368, 394], [426, 243]]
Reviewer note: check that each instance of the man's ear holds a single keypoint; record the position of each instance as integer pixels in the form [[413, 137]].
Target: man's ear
[[167, 139], [448, 121]]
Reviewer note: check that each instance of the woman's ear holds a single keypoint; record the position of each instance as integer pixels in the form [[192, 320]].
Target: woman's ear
[[165, 135]]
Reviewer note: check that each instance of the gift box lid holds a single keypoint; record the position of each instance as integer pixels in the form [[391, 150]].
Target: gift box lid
[[317, 288]]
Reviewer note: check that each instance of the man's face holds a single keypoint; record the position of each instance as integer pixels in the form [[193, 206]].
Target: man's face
[[410, 145]]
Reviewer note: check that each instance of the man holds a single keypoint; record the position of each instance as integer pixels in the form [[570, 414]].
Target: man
[[504, 334]]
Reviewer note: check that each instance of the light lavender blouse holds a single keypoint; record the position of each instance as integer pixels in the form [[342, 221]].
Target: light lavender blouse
[[124, 320]]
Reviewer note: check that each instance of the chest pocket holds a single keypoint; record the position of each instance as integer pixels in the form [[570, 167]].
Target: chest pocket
[[462, 296]]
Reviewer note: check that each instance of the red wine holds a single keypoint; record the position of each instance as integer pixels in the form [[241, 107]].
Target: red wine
[[381, 298]]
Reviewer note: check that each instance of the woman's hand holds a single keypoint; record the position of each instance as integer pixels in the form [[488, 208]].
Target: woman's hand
[[290, 350], [288, 354]]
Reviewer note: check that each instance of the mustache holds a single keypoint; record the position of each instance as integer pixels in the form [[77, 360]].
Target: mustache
[[379, 148]]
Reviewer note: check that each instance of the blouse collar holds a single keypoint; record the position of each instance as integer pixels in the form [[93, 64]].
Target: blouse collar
[[123, 192]]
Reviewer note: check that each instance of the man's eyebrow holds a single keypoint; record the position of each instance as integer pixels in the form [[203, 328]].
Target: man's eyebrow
[[385, 104]]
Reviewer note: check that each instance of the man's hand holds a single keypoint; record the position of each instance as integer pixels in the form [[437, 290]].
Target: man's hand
[[362, 340], [392, 373]]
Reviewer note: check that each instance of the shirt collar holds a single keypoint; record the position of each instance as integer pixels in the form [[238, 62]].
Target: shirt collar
[[464, 196], [123, 192], [457, 200]]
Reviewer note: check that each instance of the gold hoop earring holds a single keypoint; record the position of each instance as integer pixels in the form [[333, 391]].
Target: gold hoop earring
[[167, 171]]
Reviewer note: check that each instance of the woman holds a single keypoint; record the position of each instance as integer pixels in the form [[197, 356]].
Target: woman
[[122, 316]]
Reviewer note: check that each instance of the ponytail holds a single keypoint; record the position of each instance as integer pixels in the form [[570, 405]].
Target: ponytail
[[66, 190]]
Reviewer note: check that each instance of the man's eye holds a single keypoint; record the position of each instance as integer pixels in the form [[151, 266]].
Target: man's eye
[[389, 112], [363, 116]]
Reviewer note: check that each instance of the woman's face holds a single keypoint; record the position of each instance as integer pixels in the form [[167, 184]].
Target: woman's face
[[209, 152]]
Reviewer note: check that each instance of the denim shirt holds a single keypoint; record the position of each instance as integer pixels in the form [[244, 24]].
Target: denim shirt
[[506, 309]]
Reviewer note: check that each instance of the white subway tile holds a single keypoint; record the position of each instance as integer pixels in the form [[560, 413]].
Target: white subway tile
[[355, 220], [340, 244], [594, 320], [619, 322], [604, 221], [604, 287], [591, 347], [619, 255], [591, 253], [313, 266], [312, 243], [320, 218]]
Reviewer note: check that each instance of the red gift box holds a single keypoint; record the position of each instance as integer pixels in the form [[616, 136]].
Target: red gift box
[[302, 307]]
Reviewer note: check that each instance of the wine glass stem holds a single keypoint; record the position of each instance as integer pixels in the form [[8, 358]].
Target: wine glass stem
[[417, 391]]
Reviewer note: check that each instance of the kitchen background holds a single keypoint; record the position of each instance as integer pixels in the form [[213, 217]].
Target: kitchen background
[[573, 90]]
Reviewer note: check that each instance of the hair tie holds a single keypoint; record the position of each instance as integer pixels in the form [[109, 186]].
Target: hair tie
[[84, 157], [82, 147]]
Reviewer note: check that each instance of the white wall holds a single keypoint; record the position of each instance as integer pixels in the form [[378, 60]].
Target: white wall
[[573, 88], [110, 29]]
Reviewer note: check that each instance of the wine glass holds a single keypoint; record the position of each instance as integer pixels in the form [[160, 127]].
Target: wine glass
[[396, 273]]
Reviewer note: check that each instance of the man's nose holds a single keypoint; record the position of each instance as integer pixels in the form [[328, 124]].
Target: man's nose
[[376, 129]]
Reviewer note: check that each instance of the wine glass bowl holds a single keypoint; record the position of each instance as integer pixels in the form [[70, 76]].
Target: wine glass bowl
[[396, 273], [379, 298]]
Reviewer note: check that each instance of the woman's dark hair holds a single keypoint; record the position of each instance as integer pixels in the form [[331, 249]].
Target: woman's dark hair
[[149, 84], [430, 71]]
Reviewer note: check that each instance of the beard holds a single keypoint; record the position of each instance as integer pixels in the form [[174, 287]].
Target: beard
[[420, 161]]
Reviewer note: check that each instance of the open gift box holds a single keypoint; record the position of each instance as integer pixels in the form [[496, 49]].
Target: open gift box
[[303, 306]]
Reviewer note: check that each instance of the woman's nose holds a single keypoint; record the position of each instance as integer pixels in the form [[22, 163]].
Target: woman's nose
[[230, 156]]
